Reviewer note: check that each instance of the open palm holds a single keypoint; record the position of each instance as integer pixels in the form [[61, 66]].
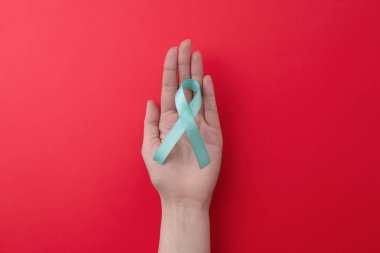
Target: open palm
[[180, 179]]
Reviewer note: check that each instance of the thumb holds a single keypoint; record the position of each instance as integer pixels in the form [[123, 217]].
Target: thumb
[[151, 131]]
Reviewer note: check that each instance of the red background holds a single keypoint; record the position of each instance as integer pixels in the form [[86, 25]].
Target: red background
[[297, 86]]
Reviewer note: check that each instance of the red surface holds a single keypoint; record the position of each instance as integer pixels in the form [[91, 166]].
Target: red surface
[[297, 86]]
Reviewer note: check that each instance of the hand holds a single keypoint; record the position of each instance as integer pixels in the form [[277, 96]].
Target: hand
[[180, 180]]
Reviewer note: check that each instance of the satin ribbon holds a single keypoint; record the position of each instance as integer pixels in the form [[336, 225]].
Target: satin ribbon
[[185, 123]]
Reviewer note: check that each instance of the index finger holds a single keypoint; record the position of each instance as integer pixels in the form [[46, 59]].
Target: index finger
[[169, 81]]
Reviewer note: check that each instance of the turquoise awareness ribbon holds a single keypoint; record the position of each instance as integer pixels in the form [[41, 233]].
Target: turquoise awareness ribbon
[[185, 123]]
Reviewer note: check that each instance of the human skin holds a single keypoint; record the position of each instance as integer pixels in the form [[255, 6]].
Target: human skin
[[185, 190]]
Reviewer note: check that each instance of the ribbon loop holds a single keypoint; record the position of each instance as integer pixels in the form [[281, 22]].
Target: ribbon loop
[[185, 123]]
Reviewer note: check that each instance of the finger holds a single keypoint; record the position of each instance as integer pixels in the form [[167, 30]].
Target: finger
[[151, 132], [211, 111], [197, 72], [184, 61], [169, 81]]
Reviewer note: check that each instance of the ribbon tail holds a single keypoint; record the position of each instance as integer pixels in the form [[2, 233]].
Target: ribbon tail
[[169, 142], [194, 135], [199, 147]]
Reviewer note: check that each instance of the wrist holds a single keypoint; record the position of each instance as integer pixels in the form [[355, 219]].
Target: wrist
[[184, 226], [184, 205]]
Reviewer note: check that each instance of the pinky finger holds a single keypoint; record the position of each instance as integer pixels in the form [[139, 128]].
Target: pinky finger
[[211, 110]]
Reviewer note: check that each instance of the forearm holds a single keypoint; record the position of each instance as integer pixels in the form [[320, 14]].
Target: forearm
[[185, 227]]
